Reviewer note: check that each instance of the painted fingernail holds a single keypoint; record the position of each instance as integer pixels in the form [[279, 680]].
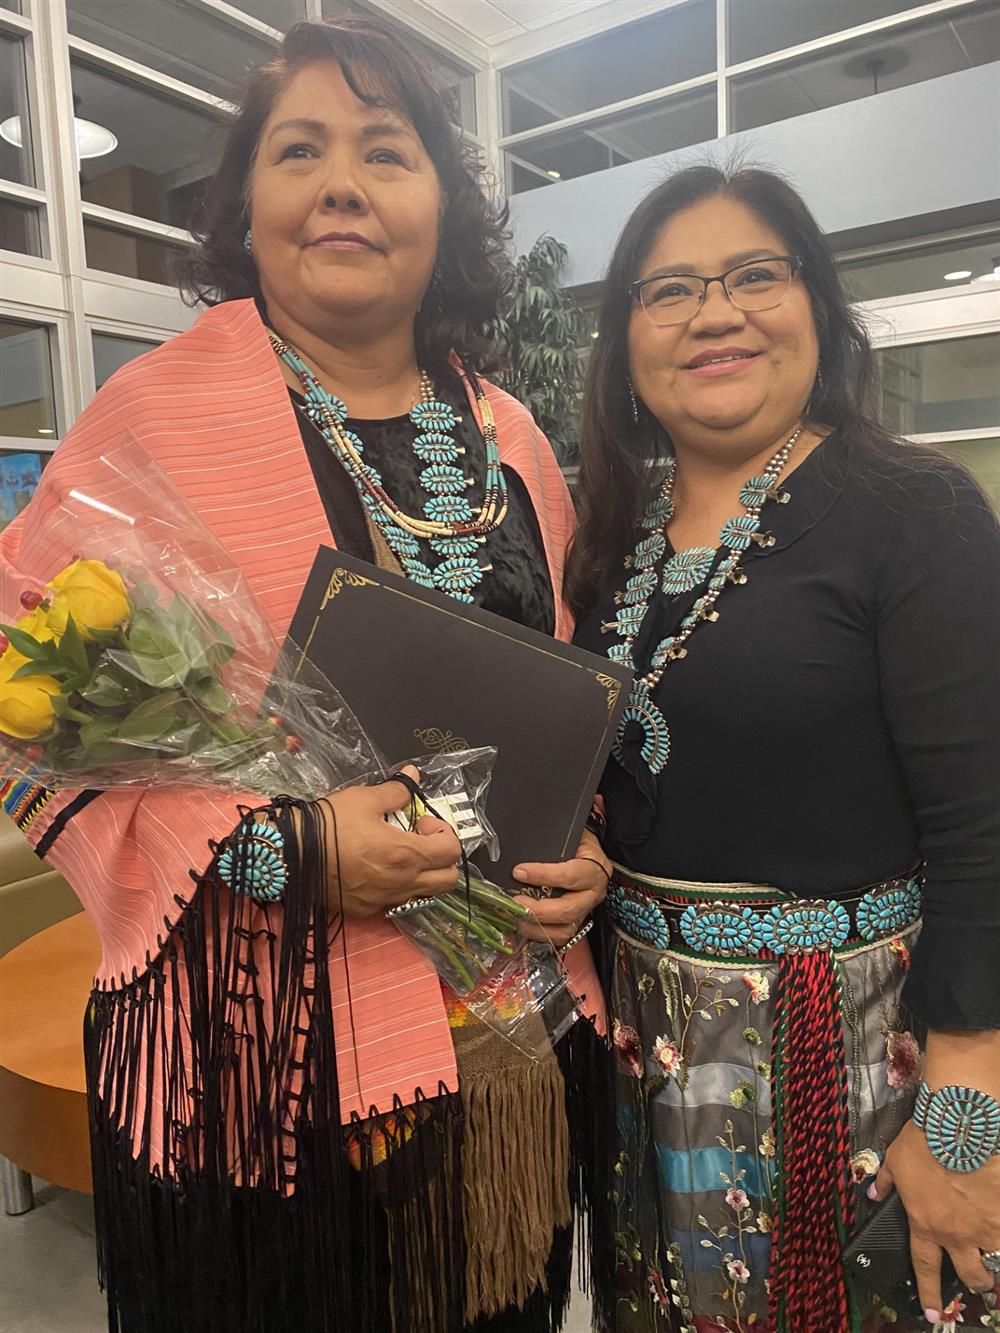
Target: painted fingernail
[[932, 1316], [872, 1191], [520, 874]]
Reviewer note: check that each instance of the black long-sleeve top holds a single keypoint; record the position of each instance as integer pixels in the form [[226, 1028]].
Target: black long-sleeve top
[[841, 720]]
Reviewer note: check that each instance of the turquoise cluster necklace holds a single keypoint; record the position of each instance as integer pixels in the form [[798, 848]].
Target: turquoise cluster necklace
[[643, 734], [450, 526]]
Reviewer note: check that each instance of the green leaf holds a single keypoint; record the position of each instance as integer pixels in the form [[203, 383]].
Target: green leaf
[[151, 719], [73, 648], [98, 729], [207, 692], [27, 645], [106, 689], [63, 708]]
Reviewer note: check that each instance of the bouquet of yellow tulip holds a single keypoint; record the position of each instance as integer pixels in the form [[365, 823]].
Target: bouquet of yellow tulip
[[144, 659]]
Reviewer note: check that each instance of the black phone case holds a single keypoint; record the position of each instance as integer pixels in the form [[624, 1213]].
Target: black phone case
[[878, 1260]]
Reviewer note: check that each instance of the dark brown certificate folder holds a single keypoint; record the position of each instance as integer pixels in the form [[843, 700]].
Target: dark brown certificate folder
[[424, 673]]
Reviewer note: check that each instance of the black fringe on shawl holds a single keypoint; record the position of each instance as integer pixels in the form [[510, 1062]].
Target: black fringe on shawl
[[239, 1210], [588, 1071], [246, 1207]]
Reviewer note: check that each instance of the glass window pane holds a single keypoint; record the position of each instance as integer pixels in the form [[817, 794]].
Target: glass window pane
[[27, 396], [640, 57], [15, 117], [20, 472], [20, 228], [953, 263], [164, 151], [677, 123], [111, 352], [115, 251], [760, 27], [943, 386], [279, 14], [874, 64], [13, 5], [178, 40], [982, 458]]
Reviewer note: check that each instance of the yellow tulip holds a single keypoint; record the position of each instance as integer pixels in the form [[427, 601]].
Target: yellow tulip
[[36, 624], [25, 705], [91, 593]]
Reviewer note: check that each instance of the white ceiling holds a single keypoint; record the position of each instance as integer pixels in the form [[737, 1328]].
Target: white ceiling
[[501, 28], [495, 21]]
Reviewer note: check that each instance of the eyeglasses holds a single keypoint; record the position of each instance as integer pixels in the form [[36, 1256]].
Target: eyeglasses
[[674, 298]]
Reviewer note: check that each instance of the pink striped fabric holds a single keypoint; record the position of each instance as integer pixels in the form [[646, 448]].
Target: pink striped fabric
[[211, 408]]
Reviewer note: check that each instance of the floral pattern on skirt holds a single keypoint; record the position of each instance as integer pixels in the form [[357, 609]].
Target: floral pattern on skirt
[[696, 1168]]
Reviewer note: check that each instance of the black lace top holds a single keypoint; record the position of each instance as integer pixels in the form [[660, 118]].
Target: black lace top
[[518, 586], [841, 720]]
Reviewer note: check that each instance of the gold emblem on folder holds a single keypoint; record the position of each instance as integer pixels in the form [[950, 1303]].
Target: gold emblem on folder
[[344, 578], [440, 742], [613, 688]]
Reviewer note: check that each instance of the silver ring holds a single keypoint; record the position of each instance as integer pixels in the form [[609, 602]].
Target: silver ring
[[414, 905], [585, 929], [991, 1261]]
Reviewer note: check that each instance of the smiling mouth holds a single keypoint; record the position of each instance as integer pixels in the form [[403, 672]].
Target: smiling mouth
[[720, 360]]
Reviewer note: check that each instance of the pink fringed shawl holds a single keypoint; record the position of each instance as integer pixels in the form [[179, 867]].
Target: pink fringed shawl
[[211, 407]]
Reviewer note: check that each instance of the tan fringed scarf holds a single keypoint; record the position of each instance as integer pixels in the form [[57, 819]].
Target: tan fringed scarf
[[515, 1152]]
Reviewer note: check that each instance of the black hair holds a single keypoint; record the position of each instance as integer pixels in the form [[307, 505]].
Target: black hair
[[472, 269]]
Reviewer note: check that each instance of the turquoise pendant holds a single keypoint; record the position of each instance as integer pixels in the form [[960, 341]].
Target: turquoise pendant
[[640, 710], [687, 569]]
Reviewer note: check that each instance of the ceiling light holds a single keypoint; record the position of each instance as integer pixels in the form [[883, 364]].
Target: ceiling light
[[595, 334], [554, 175], [990, 277], [45, 430], [959, 275], [92, 140]]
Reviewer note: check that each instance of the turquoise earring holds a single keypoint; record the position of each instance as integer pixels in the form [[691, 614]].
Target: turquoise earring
[[248, 242]]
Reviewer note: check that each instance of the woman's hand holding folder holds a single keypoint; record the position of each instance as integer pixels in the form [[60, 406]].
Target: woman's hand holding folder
[[581, 886]]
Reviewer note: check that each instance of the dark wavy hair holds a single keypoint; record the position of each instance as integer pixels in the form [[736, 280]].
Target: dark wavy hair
[[472, 274], [619, 459]]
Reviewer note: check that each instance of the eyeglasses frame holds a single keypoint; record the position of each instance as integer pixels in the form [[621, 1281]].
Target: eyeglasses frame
[[635, 288]]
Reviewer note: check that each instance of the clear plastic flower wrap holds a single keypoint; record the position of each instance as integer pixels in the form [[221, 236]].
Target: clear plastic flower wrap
[[472, 936], [142, 658], [136, 655]]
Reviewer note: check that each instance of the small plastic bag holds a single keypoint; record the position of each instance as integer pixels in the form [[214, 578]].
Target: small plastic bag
[[472, 936]]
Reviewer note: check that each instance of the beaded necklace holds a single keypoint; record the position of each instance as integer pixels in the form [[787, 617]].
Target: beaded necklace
[[643, 724], [450, 526]]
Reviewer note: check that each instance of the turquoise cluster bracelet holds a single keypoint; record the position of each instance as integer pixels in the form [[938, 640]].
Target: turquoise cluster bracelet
[[253, 862], [961, 1125]]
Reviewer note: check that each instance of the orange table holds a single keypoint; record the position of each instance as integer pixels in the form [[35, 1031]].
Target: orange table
[[44, 986]]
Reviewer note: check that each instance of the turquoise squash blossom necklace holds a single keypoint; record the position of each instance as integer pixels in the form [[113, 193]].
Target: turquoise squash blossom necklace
[[449, 525], [643, 733]]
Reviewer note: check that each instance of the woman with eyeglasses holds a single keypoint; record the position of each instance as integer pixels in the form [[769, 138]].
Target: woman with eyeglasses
[[803, 931]]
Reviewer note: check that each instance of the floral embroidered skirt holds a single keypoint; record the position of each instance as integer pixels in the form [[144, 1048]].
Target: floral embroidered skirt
[[764, 1066]]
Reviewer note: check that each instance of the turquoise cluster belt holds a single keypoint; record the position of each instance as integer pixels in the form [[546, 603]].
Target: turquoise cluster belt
[[742, 920]]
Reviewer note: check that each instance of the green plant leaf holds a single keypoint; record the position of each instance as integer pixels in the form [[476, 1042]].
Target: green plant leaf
[[63, 708], [73, 648], [152, 719], [207, 692], [107, 689], [27, 645], [97, 730]]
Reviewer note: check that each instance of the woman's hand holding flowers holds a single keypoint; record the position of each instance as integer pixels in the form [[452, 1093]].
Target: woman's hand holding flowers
[[375, 865]]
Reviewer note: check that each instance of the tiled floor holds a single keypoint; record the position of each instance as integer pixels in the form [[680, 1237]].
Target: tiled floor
[[47, 1280]]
